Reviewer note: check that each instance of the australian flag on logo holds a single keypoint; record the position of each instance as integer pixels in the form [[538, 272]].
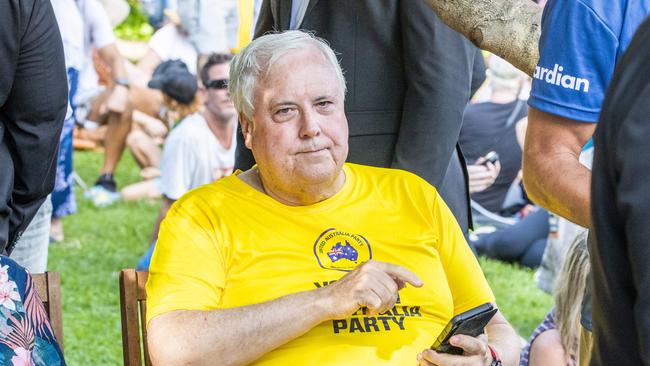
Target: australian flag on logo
[[343, 252]]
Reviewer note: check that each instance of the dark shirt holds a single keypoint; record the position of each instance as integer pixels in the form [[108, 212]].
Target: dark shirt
[[620, 255], [33, 102], [485, 129]]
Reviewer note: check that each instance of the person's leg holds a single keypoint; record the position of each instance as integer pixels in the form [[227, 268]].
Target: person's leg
[[104, 191], [32, 247], [512, 242], [533, 255], [144, 149], [145, 189], [118, 127], [133, 141]]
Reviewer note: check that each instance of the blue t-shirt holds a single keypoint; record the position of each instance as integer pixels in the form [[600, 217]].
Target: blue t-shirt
[[581, 42]]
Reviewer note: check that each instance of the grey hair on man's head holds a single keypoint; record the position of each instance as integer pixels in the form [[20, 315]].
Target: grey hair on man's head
[[254, 61]]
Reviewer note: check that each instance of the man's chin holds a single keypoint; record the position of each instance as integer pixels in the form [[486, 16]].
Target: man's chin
[[227, 115], [319, 172]]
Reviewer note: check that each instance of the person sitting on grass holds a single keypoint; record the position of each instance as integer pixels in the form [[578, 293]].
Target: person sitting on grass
[[305, 259], [201, 149], [180, 100], [555, 342]]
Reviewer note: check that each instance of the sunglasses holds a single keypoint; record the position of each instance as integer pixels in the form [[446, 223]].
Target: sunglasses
[[216, 84]]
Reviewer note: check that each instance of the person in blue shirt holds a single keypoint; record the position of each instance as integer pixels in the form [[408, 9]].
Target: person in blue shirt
[[580, 44]]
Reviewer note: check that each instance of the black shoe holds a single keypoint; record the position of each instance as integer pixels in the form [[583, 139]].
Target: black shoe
[[107, 182]]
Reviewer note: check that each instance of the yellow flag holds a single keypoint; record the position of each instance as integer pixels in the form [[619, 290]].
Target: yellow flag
[[245, 9]]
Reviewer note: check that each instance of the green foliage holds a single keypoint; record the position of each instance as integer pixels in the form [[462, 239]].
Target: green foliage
[[101, 242], [135, 27]]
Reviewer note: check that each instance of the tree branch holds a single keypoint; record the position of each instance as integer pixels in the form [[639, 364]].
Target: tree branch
[[508, 28]]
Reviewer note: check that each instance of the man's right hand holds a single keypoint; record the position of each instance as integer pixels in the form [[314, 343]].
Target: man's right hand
[[372, 284]]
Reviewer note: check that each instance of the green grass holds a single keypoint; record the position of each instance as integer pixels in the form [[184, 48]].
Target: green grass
[[101, 242], [522, 303]]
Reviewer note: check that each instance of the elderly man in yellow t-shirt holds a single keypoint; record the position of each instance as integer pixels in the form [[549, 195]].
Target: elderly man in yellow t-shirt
[[305, 259]]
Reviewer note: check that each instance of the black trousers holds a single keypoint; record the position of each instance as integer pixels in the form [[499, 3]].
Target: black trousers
[[33, 102]]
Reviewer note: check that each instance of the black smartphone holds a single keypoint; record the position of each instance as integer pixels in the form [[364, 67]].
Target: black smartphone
[[471, 323], [492, 157]]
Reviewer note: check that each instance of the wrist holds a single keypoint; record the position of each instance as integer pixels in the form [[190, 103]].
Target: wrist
[[323, 302], [122, 82]]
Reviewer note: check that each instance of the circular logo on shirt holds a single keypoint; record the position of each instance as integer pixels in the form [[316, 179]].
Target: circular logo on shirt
[[341, 250]]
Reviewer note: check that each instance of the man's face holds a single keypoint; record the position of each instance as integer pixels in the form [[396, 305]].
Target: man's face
[[299, 133], [217, 100]]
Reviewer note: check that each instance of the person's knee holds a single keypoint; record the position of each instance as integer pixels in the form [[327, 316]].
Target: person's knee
[[134, 139], [532, 258]]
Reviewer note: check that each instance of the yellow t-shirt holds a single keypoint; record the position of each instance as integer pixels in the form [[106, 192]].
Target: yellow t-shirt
[[226, 244]]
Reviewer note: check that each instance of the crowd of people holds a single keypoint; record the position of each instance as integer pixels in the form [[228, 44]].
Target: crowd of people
[[329, 172]]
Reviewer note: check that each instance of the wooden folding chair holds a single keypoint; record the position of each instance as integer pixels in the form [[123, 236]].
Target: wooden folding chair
[[48, 287], [133, 306]]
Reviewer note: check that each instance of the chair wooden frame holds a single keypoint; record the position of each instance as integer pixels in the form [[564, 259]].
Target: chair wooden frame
[[133, 308], [48, 287]]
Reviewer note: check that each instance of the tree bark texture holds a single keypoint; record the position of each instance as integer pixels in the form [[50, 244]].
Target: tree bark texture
[[508, 28]]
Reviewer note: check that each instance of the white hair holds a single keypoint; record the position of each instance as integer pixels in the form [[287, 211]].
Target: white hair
[[256, 59]]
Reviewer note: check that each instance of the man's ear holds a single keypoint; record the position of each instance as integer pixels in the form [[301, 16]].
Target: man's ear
[[202, 93], [246, 130]]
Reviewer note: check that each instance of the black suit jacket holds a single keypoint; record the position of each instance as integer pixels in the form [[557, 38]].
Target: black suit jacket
[[409, 78], [620, 212], [33, 102]]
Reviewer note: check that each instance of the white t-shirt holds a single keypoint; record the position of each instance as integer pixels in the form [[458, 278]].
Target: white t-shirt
[[98, 32], [71, 27], [169, 44], [192, 156]]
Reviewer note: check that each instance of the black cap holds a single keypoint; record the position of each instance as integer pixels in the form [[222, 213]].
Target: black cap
[[173, 78]]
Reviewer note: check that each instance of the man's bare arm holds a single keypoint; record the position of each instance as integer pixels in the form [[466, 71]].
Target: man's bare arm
[[241, 335], [235, 336], [553, 176], [112, 56], [118, 99]]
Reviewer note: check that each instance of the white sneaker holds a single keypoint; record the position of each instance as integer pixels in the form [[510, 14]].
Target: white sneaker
[[101, 197]]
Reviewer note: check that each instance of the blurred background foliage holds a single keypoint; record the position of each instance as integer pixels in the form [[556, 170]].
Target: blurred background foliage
[[135, 27]]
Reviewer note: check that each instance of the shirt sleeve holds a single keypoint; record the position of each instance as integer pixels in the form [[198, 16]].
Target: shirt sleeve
[[187, 270], [578, 53], [101, 28], [468, 285], [176, 167], [160, 41]]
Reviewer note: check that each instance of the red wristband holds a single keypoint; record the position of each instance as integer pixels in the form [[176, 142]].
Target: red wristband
[[496, 361]]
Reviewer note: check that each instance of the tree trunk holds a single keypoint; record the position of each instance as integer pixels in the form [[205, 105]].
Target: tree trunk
[[508, 28]]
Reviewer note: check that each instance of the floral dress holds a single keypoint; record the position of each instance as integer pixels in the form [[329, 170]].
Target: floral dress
[[26, 336]]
